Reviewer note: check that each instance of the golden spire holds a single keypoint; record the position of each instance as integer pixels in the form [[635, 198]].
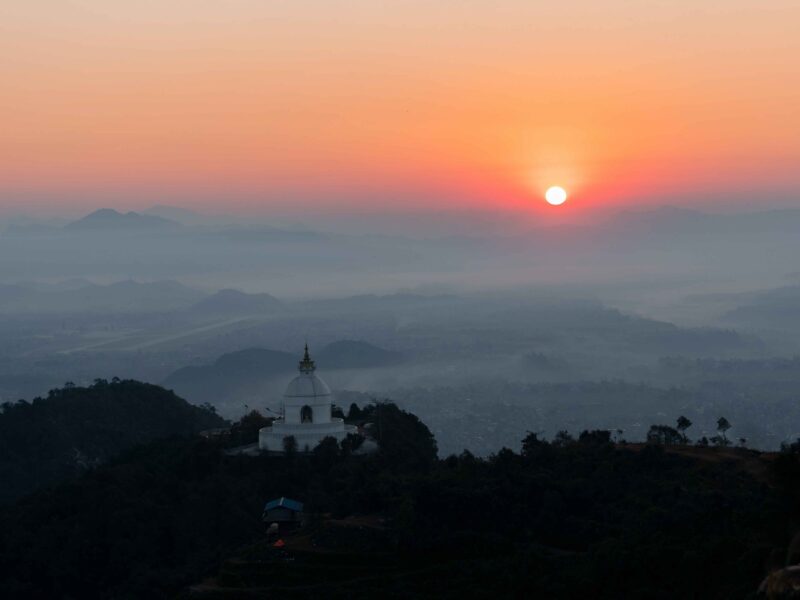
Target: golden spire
[[306, 365]]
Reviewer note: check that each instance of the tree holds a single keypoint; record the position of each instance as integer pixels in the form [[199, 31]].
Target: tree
[[245, 431], [531, 445], [683, 425], [596, 436], [354, 414], [562, 439], [290, 445], [722, 426], [402, 438], [326, 453], [664, 435], [351, 443]]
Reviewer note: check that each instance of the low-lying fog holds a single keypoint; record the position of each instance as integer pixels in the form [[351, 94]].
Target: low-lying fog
[[632, 322]]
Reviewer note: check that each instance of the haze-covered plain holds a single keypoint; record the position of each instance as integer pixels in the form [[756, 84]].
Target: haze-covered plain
[[484, 329]]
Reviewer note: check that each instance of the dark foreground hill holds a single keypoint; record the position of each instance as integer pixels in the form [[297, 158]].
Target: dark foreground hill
[[77, 428], [570, 519]]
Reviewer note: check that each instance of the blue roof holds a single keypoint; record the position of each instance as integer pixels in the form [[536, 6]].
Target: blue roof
[[282, 502]]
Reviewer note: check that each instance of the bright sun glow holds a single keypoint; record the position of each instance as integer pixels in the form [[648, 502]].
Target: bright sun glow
[[555, 195]]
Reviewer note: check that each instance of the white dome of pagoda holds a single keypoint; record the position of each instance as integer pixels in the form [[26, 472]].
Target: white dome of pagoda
[[307, 385], [305, 413]]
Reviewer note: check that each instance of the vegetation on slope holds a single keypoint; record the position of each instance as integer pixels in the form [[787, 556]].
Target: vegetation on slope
[[77, 428], [570, 519]]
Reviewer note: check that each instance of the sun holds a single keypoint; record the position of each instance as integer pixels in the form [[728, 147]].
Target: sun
[[555, 195]]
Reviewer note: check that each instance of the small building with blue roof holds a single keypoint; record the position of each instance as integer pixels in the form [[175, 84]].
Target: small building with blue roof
[[287, 513]]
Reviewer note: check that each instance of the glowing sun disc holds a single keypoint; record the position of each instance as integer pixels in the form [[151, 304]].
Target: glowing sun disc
[[555, 195]]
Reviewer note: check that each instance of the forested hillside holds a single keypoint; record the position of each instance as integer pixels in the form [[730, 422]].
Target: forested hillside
[[572, 518], [75, 429]]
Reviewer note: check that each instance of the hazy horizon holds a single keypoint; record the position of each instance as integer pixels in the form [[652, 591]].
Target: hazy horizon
[[378, 174], [458, 106]]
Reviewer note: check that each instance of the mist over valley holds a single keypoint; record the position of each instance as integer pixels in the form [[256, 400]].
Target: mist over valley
[[635, 320]]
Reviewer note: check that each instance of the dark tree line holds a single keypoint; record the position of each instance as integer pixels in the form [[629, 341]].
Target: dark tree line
[[665, 435]]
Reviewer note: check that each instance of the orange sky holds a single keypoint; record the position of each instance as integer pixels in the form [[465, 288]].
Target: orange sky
[[398, 105]]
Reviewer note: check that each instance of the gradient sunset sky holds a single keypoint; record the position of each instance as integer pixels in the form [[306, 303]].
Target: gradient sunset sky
[[399, 105]]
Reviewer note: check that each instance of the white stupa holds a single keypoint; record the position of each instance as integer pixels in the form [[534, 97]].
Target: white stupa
[[305, 413]]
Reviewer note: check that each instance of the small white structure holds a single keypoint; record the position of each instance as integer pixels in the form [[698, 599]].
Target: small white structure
[[305, 413]]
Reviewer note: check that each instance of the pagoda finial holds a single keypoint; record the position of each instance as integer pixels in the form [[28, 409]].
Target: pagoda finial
[[306, 365]]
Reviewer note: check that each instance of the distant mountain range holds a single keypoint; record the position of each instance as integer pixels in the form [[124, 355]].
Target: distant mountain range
[[777, 308], [664, 244], [678, 219], [664, 218], [235, 302], [129, 296], [175, 213], [110, 220]]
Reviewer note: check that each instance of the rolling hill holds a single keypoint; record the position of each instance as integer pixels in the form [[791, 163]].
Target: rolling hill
[[238, 375], [75, 429]]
